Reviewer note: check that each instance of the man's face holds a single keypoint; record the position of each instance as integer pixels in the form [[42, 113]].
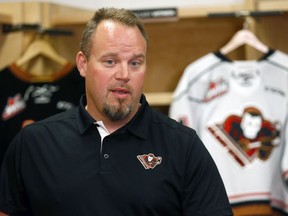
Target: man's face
[[115, 71]]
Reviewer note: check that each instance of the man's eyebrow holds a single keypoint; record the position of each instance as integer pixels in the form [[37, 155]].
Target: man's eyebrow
[[141, 55]]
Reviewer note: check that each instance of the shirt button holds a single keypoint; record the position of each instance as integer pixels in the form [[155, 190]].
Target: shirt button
[[106, 156]]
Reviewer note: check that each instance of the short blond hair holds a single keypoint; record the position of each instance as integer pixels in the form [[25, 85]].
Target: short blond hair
[[122, 16]]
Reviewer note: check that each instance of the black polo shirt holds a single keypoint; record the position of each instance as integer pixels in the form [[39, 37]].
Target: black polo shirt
[[151, 166]]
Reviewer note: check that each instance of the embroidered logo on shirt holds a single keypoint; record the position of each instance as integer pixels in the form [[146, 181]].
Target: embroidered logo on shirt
[[14, 106], [246, 75], [42, 94], [64, 105], [216, 89], [149, 161]]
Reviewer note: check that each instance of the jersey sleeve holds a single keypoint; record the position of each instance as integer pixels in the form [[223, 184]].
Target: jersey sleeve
[[179, 108], [189, 90], [281, 59], [284, 162]]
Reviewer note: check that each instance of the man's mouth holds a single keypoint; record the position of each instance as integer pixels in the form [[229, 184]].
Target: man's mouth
[[120, 91]]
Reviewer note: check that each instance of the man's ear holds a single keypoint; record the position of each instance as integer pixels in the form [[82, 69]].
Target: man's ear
[[81, 62]]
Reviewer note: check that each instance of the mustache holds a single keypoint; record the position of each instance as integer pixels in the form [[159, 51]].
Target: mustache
[[120, 85]]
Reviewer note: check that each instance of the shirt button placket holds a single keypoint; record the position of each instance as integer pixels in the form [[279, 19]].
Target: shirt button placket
[[106, 161]]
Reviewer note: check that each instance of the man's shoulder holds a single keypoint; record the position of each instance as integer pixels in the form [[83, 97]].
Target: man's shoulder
[[161, 120], [68, 116]]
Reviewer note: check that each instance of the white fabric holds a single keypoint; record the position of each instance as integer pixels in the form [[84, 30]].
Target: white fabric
[[103, 131], [211, 93]]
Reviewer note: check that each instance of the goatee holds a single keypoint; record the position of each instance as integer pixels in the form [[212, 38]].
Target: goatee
[[117, 112]]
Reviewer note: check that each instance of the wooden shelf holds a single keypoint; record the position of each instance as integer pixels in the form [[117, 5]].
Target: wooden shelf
[[67, 15], [272, 5], [159, 98], [62, 15], [204, 11]]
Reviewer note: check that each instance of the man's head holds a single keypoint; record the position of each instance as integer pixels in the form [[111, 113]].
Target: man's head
[[122, 16], [113, 61]]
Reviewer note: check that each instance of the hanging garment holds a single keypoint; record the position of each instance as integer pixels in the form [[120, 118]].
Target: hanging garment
[[25, 98], [239, 109]]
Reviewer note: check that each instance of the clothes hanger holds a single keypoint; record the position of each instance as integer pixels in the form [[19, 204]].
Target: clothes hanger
[[242, 37], [40, 62], [40, 47]]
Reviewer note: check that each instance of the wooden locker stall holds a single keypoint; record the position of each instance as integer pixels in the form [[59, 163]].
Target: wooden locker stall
[[176, 43], [173, 44], [10, 45]]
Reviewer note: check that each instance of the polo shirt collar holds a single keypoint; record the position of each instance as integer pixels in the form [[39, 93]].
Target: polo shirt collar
[[138, 126], [84, 120]]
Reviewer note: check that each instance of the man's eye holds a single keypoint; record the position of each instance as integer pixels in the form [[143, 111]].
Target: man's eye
[[135, 63], [109, 61]]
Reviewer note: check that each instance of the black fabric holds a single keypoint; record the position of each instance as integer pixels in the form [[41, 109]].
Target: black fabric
[[226, 58], [23, 100], [54, 167]]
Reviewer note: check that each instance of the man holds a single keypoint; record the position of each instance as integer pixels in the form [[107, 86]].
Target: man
[[114, 155]]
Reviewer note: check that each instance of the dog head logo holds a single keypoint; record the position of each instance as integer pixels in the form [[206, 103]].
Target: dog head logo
[[149, 161]]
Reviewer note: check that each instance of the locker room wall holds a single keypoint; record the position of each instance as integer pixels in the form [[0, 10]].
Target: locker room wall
[[173, 44]]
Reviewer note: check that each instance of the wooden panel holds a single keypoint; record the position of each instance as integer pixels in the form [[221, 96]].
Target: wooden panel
[[4, 18], [159, 98], [174, 45], [264, 5], [10, 44], [187, 12], [62, 15], [273, 31]]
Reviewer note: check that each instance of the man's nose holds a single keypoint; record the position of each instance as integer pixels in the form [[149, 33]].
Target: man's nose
[[123, 72]]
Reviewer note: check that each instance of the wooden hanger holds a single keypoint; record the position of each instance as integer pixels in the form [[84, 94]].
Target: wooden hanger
[[242, 37], [40, 47]]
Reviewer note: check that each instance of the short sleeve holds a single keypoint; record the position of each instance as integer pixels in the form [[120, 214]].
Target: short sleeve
[[205, 193]]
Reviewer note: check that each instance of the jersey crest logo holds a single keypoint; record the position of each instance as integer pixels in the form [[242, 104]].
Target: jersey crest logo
[[216, 89], [14, 106], [246, 76], [248, 136], [149, 161], [42, 94]]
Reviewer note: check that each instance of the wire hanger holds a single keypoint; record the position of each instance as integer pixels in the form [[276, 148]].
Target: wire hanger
[[242, 37]]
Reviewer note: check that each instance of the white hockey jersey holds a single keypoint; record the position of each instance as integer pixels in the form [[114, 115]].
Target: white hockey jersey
[[239, 109]]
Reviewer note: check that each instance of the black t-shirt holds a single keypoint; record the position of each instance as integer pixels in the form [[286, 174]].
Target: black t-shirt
[[25, 99]]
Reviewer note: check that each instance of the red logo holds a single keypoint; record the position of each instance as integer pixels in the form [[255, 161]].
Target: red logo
[[216, 89], [247, 136], [14, 106], [149, 161]]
